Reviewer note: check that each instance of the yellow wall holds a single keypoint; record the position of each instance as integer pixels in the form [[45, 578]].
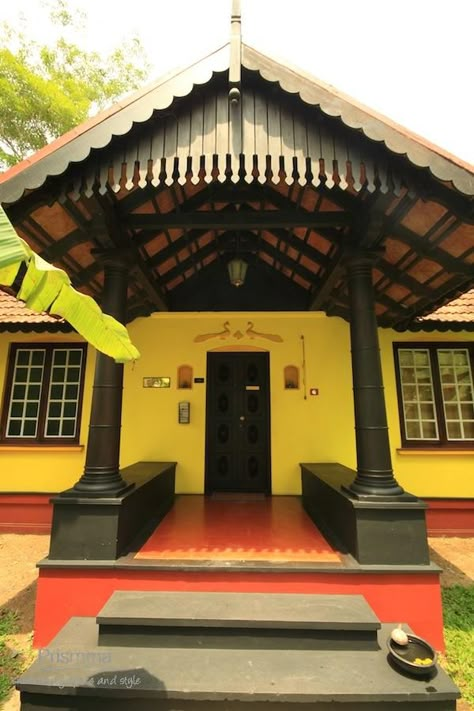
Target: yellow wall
[[301, 430], [425, 474], [42, 469], [318, 428]]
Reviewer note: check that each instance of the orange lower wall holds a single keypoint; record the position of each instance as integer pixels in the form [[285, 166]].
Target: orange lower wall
[[450, 517], [25, 513], [412, 598], [32, 513]]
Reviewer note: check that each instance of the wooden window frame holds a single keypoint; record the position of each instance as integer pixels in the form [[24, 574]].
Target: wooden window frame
[[41, 439], [432, 347]]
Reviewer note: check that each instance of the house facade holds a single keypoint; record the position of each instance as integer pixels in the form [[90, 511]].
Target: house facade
[[310, 408], [275, 250]]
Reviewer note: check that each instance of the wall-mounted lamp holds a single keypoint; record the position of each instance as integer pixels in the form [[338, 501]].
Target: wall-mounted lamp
[[237, 270]]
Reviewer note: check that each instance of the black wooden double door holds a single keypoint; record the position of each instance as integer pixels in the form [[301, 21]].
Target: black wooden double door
[[238, 423]]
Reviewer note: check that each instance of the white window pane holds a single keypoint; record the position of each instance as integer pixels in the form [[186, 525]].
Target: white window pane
[[411, 411], [468, 427], [445, 357], [408, 375], [429, 430], [418, 394], [447, 375], [454, 430], [405, 357], [467, 411], [460, 357], [63, 397], [452, 411], [409, 393], [427, 411], [465, 393], [421, 358], [425, 393], [413, 430], [22, 420], [457, 397], [423, 375]]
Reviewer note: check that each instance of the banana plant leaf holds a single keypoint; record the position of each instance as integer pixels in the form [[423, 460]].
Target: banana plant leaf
[[47, 288]]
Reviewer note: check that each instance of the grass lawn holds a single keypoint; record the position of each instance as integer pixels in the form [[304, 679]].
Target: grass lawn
[[458, 610], [11, 665]]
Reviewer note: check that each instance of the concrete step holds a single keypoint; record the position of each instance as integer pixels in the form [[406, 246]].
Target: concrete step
[[75, 674], [237, 621]]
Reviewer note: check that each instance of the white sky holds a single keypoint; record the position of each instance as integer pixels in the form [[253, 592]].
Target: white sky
[[411, 60]]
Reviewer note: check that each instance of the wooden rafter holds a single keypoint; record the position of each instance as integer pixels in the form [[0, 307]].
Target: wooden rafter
[[109, 231], [243, 220]]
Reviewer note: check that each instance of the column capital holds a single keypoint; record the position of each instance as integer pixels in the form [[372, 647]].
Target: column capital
[[358, 255], [121, 258]]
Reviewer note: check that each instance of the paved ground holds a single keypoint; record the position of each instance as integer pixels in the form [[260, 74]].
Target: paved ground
[[18, 556]]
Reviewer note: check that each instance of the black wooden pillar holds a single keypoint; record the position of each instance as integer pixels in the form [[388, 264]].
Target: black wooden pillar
[[374, 467], [101, 473]]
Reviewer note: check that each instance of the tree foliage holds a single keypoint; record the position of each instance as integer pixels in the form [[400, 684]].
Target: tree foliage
[[47, 89]]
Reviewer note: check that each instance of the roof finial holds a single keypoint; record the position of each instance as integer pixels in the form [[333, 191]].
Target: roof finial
[[235, 53]]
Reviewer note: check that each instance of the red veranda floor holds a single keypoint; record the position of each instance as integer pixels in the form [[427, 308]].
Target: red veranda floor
[[275, 529]]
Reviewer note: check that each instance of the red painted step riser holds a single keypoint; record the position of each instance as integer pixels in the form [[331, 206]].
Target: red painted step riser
[[414, 599]]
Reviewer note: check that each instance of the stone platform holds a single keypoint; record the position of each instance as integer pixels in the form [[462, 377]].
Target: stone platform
[[247, 651]]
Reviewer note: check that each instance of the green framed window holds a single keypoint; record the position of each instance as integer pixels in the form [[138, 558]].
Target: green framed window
[[43, 393], [435, 393]]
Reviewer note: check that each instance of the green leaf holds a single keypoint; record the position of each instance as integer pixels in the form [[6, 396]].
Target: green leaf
[[8, 274], [41, 283], [12, 250], [101, 330], [46, 287]]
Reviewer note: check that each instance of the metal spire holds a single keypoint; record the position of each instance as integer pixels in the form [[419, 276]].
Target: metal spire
[[235, 52]]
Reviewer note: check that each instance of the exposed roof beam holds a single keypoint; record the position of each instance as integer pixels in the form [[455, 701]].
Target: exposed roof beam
[[239, 220], [426, 249], [332, 276], [220, 247], [368, 234], [107, 228]]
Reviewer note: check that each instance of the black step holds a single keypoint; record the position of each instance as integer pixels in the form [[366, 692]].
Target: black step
[[237, 621], [73, 673]]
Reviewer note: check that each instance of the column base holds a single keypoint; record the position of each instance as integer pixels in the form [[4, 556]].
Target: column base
[[374, 530], [382, 497], [78, 493], [102, 527]]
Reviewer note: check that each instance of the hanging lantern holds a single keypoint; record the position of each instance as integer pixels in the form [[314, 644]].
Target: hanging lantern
[[237, 271]]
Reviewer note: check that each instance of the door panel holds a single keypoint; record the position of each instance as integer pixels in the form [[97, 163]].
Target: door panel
[[238, 423]]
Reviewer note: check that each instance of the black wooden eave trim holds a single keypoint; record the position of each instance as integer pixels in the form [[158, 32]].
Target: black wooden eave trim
[[436, 326], [16, 327]]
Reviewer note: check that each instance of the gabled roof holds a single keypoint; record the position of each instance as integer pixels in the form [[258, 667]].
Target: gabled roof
[[293, 176], [137, 108], [16, 316]]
